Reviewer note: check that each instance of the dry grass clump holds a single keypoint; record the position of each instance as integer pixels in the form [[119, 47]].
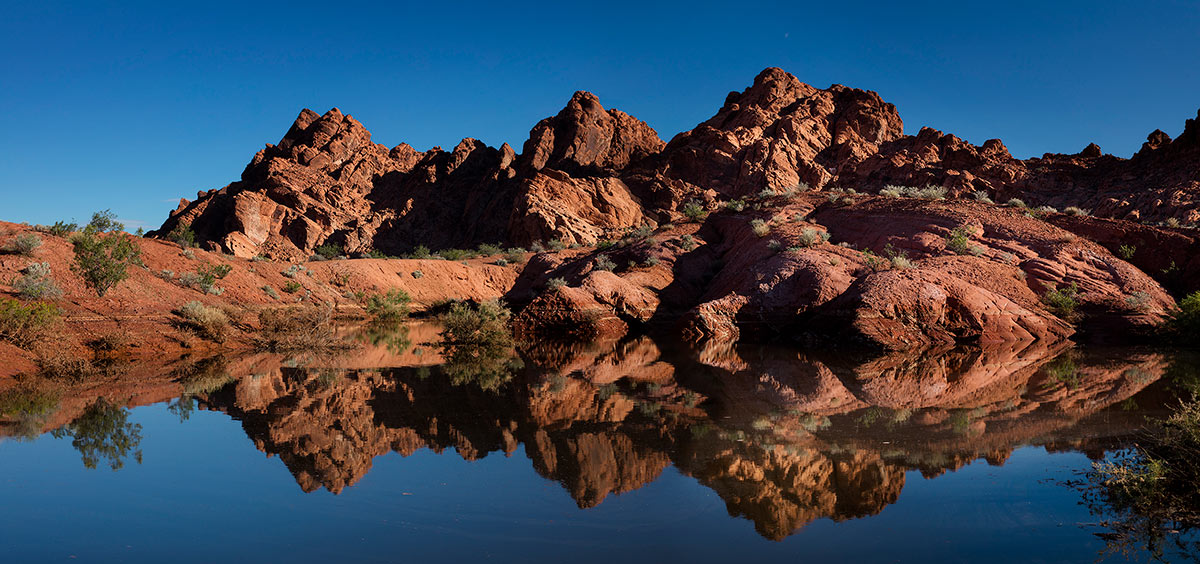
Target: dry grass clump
[[26, 324], [298, 328], [208, 322]]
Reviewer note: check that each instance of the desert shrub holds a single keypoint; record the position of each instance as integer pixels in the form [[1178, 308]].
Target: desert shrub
[[694, 211], [1172, 222], [1016, 203], [811, 237], [892, 191], [294, 270], [104, 222], [455, 254], [605, 245], [775, 245], [602, 262], [515, 255], [959, 242], [188, 254], [651, 261], [873, 261], [1138, 301], [329, 251], [420, 252], [1043, 210], [1151, 489], [735, 205], [297, 328], [900, 262], [209, 322], [537, 247], [25, 324], [554, 284], [392, 306], [102, 255], [981, 196], [1062, 301], [292, 287], [62, 229], [1077, 211], [558, 244], [760, 227], [166, 274], [687, 242], [766, 193], [1126, 251], [24, 244], [477, 345], [487, 249], [930, 192], [36, 283], [640, 233], [1185, 319], [270, 292], [417, 274], [182, 235]]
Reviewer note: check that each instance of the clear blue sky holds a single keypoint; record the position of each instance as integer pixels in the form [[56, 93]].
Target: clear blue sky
[[132, 106]]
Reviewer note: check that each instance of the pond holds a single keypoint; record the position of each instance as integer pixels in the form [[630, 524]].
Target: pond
[[641, 450]]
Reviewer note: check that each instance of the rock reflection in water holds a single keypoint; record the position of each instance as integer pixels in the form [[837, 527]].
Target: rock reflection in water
[[784, 436]]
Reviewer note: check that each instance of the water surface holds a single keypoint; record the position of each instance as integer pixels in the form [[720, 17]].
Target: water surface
[[637, 450]]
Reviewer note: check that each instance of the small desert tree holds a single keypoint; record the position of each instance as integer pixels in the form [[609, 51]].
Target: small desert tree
[[103, 253]]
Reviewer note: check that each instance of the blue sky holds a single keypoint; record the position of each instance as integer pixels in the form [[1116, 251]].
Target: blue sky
[[131, 106]]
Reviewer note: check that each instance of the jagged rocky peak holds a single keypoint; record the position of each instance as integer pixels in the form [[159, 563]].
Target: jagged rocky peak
[[585, 138]]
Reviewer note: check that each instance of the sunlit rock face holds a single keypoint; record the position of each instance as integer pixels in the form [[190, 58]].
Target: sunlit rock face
[[588, 172]]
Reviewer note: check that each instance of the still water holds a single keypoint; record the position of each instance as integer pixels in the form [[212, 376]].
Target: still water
[[638, 451]]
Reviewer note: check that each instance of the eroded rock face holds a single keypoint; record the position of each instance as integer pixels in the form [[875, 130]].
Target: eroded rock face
[[589, 172], [898, 273]]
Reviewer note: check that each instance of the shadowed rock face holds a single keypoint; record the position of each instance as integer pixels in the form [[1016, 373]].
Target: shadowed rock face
[[587, 173], [784, 436]]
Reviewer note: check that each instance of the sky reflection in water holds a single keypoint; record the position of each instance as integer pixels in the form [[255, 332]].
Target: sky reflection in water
[[638, 450]]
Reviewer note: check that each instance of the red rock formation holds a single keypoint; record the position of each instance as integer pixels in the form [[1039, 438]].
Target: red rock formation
[[588, 172]]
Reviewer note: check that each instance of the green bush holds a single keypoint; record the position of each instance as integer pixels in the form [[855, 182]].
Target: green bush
[[1126, 251], [694, 211], [1062, 301], [330, 251], [602, 262], [62, 229], [182, 235], [477, 345], [208, 322], [735, 205], [392, 306], [1185, 319], [420, 252], [270, 292], [556, 244], [24, 244], [687, 242], [487, 249], [455, 254], [292, 287], [555, 283], [959, 242], [36, 283], [981, 196], [102, 255], [25, 324], [1077, 211], [515, 255]]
